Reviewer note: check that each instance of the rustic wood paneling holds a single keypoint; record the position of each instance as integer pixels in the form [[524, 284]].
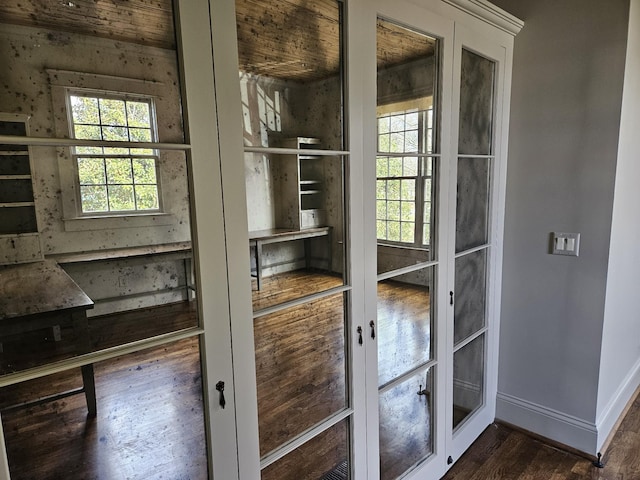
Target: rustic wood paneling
[[146, 22], [397, 44], [286, 39]]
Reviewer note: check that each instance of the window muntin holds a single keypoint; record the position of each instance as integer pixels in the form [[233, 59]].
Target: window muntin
[[403, 188], [114, 179]]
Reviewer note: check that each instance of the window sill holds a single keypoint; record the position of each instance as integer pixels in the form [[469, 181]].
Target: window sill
[[107, 222]]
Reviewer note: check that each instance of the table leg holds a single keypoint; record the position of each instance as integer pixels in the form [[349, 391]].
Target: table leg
[[81, 326], [89, 382], [259, 264], [307, 253]]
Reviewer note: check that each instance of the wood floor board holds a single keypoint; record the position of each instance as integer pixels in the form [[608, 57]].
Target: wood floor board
[[149, 424], [150, 408]]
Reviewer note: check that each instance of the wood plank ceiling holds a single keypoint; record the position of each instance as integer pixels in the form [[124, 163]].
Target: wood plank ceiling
[[287, 39]]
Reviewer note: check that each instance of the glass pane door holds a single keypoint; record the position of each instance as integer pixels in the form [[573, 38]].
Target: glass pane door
[[406, 168], [472, 235], [101, 303], [291, 84]]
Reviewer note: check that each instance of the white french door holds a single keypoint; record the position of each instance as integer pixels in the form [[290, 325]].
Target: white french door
[[476, 203], [431, 391], [406, 174], [409, 351]]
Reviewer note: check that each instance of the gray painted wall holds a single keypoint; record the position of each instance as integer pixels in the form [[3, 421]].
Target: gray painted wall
[[565, 116]]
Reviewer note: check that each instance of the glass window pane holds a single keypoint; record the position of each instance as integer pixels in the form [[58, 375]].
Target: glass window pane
[[393, 231], [116, 150], [404, 323], [406, 425], [471, 291], [408, 232], [384, 143], [476, 104], [410, 166], [140, 135], [89, 150], [408, 212], [119, 170], [149, 420], [292, 234], [146, 197], [84, 110], [88, 132], [112, 112], [121, 198], [381, 210], [411, 121], [472, 206], [395, 167], [91, 171], [325, 457], [384, 124], [94, 199], [144, 170], [393, 210], [117, 134], [382, 167], [290, 71], [301, 369], [138, 114], [408, 190], [393, 189], [397, 123], [138, 278], [411, 141], [397, 143], [468, 380], [406, 83]]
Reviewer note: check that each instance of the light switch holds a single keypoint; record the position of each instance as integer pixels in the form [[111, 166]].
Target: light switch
[[565, 243]]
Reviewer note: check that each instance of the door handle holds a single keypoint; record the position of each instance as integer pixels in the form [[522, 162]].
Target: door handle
[[220, 388]]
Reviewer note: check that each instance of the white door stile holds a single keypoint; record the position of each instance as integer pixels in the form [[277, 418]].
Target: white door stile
[[225, 58], [209, 235], [364, 426]]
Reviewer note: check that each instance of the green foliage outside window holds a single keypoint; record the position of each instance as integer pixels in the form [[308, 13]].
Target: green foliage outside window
[[403, 189], [114, 179]]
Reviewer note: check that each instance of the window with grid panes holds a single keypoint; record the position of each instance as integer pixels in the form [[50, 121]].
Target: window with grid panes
[[403, 189], [114, 179]]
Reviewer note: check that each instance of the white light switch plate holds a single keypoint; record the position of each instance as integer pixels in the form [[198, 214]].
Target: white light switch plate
[[565, 243]]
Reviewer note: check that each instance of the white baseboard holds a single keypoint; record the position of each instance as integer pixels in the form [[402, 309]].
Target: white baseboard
[[552, 424], [609, 416]]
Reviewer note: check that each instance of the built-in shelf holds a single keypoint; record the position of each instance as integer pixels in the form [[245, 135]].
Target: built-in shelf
[[299, 180], [19, 237]]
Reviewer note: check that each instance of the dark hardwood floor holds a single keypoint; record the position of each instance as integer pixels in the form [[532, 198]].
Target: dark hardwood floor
[[502, 453], [150, 414], [149, 422]]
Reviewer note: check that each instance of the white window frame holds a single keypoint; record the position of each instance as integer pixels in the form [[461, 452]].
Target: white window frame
[[61, 82], [124, 96], [425, 146]]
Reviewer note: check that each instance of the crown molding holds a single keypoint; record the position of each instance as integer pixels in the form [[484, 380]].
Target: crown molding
[[487, 12]]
